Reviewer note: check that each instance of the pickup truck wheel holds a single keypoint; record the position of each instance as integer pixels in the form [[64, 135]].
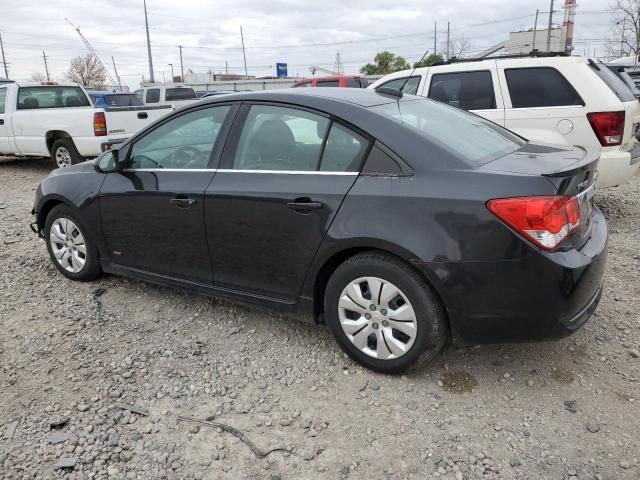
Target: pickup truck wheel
[[64, 153]]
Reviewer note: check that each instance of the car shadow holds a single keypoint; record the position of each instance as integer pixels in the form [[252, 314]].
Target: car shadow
[[42, 164]]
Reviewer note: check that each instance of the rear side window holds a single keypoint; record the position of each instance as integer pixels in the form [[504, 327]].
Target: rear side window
[[328, 83], [343, 151], [540, 87], [466, 90], [3, 99], [180, 94], [153, 95], [355, 83], [408, 85], [615, 84], [30, 98]]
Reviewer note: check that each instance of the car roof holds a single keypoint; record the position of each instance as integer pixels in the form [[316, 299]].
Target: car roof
[[355, 96], [47, 84]]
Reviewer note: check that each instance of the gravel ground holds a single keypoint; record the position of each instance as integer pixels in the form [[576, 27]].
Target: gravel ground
[[76, 358]]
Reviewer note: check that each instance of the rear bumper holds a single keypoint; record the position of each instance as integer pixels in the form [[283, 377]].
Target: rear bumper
[[617, 167], [538, 297]]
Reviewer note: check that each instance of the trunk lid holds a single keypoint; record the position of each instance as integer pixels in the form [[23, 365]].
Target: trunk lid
[[571, 170]]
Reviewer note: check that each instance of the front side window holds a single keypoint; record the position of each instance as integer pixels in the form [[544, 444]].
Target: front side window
[[328, 83], [540, 87], [408, 85], [185, 142], [153, 95], [3, 99], [280, 138], [466, 90], [30, 98], [343, 151], [469, 137]]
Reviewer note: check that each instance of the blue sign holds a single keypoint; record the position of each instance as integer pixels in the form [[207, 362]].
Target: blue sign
[[281, 70]]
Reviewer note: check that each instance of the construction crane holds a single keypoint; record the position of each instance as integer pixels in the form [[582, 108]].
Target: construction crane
[[313, 69], [94, 52]]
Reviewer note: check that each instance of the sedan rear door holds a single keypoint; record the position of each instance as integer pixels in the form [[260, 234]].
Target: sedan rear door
[[285, 174]]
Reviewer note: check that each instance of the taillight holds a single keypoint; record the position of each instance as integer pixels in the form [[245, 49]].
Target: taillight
[[608, 127], [546, 221], [99, 124]]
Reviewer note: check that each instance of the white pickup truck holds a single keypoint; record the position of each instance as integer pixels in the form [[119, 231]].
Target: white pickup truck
[[57, 120], [175, 95]]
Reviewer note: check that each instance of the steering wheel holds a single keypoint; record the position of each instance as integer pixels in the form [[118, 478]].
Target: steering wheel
[[193, 157]]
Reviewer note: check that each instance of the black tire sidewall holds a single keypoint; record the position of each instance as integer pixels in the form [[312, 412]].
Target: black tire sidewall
[[431, 325], [92, 266], [70, 146]]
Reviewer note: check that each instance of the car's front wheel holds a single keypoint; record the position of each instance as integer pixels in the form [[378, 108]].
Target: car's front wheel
[[382, 312], [69, 248]]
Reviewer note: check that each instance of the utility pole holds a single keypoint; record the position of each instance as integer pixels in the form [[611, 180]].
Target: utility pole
[[116, 72], [226, 67], [146, 24], [550, 24], [244, 55], [172, 76], [46, 67], [181, 66], [535, 29], [448, 39], [4, 60], [435, 38], [622, 39]]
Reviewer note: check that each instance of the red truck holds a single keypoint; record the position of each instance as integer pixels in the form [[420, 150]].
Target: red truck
[[342, 81]]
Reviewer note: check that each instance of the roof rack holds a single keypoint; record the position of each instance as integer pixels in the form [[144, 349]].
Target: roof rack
[[533, 53]]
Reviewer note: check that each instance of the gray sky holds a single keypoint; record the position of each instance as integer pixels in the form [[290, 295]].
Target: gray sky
[[301, 33]]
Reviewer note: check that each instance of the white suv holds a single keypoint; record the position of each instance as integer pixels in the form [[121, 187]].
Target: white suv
[[553, 99]]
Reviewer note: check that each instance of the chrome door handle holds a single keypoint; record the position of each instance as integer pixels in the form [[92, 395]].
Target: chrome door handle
[[183, 202]]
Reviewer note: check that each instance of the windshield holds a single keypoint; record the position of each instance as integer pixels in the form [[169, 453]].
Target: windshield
[[180, 94], [472, 138]]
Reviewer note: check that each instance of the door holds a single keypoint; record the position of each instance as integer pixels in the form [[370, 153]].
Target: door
[[469, 90], [153, 211], [285, 175], [6, 144]]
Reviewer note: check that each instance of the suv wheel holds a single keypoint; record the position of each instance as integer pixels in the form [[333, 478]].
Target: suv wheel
[[382, 313]]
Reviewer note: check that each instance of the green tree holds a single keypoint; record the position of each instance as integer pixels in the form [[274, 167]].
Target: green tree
[[427, 62], [385, 62]]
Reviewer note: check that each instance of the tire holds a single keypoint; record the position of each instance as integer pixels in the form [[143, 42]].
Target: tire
[[425, 334], [64, 153], [62, 232]]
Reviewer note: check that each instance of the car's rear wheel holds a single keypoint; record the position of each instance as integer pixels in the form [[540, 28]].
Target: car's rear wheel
[[69, 248], [64, 153], [382, 312]]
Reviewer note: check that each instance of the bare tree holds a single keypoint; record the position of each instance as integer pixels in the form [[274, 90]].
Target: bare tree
[[625, 28], [459, 45], [87, 70], [38, 77]]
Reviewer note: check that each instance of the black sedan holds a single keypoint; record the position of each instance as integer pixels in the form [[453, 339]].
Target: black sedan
[[399, 221]]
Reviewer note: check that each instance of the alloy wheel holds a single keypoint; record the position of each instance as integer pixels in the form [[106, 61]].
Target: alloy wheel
[[68, 245], [63, 157], [377, 318]]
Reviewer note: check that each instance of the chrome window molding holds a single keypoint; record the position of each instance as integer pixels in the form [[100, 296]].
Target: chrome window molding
[[230, 170]]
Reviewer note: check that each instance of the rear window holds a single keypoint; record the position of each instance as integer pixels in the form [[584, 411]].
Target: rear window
[[31, 98], [615, 84], [180, 94], [540, 87], [328, 83], [466, 90], [122, 100], [470, 137]]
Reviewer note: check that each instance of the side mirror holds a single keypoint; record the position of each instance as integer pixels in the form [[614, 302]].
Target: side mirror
[[108, 162]]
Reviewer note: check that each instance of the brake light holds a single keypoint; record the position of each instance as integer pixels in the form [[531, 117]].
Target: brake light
[[99, 124], [48, 83], [546, 221], [608, 127]]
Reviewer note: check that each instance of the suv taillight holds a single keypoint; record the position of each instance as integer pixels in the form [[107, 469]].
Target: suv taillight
[[99, 124], [608, 127], [546, 221]]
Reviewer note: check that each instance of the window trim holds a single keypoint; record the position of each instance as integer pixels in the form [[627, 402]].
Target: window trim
[[216, 152], [511, 107], [233, 140], [458, 72]]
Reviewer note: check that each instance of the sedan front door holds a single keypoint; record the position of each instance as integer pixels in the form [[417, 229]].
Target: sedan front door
[[153, 211], [269, 208]]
